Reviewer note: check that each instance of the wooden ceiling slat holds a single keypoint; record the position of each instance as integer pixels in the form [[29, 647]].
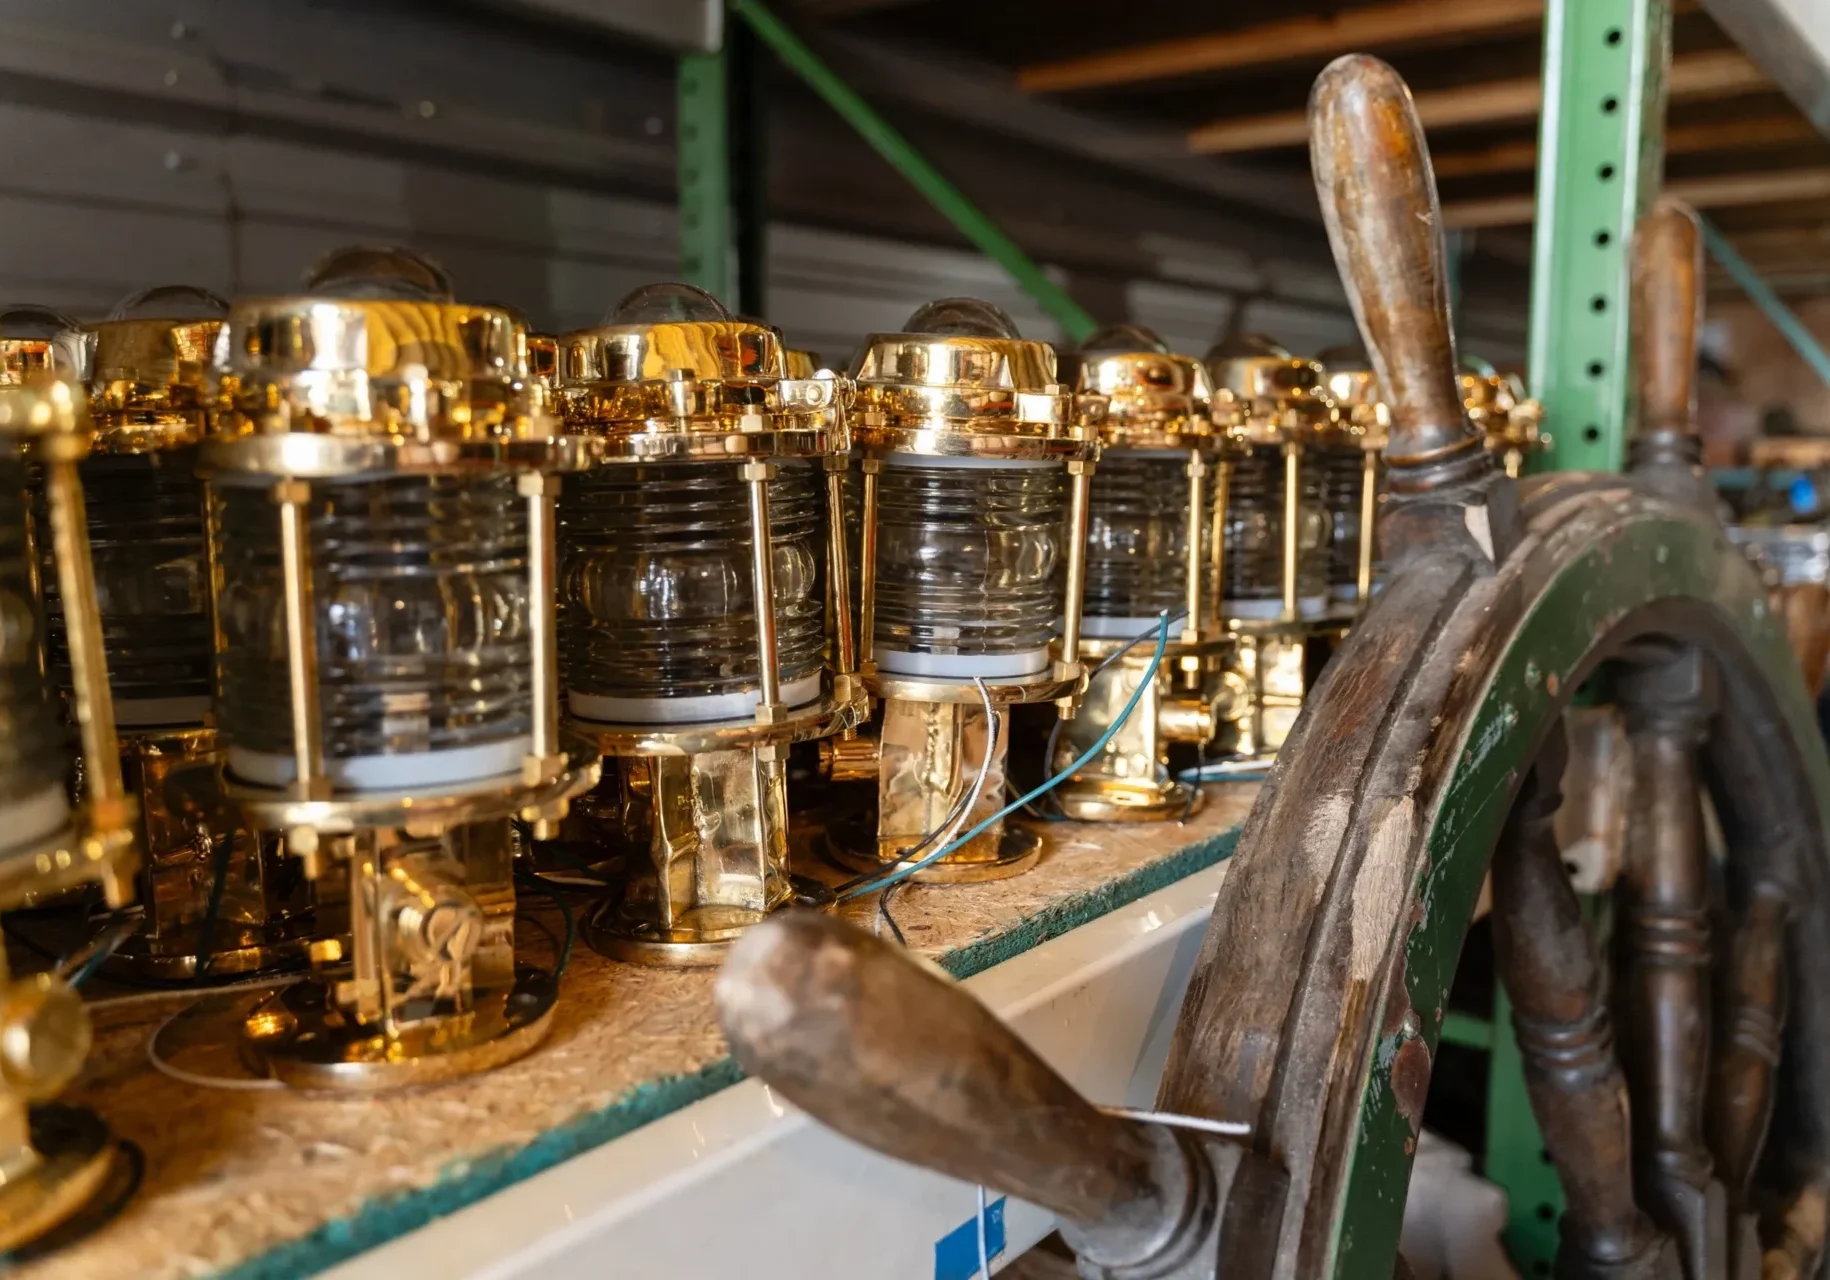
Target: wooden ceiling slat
[[1372, 27], [1726, 191], [1721, 135], [1720, 73]]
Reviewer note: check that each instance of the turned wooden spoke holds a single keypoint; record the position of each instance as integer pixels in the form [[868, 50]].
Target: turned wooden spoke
[[1667, 955], [1547, 961]]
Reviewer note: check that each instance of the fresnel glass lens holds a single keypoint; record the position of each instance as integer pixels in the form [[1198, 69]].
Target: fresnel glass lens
[[973, 545], [383, 506], [694, 557], [1283, 429], [1150, 549], [55, 1160], [147, 371], [1353, 499]]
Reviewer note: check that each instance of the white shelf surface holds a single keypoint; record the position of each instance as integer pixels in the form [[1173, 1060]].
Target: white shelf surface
[[741, 1184]]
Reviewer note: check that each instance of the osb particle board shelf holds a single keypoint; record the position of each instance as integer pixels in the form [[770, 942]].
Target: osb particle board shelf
[[270, 1183]]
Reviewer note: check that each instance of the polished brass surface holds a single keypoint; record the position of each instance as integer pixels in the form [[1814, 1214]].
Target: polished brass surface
[[149, 373], [1509, 419], [38, 343], [1129, 781]]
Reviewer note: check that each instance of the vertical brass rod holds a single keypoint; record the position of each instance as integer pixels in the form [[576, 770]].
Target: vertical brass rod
[[1293, 496], [1197, 472], [1223, 492], [212, 564], [762, 561], [1369, 510], [83, 633], [301, 635], [34, 576], [1080, 488], [843, 644], [867, 562], [542, 494]]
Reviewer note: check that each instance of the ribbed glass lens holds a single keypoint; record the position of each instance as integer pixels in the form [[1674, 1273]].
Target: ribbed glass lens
[[966, 567], [145, 514], [420, 592], [1255, 537], [1137, 538], [32, 739], [657, 594], [1343, 481]]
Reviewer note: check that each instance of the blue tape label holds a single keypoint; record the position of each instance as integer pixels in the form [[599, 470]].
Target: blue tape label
[[956, 1255]]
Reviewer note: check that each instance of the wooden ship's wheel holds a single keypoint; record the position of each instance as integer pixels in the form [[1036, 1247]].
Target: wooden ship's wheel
[[1681, 1079]]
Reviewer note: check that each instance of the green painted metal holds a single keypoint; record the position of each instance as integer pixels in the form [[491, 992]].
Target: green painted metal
[[1647, 559], [702, 134], [1758, 292], [1466, 1030], [949, 200], [1600, 149]]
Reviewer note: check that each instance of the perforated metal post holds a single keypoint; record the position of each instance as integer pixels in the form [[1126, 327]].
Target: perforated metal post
[[702, 136]]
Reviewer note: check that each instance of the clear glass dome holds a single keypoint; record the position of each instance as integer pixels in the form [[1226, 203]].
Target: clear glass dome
[[657, 593], [420, 593], [966, 567]]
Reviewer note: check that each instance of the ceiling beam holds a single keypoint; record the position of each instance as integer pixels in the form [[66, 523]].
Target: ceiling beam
[[1378, 26], [1721, 73], [1723, 135], [1722, 192]]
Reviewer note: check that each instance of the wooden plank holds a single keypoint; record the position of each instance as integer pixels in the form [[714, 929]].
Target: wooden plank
[[1319, 36], [1727, 191], [1722, 73], [1516, 157]]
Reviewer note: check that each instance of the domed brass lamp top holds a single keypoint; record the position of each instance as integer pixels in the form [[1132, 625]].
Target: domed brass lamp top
[[373, 364], [1152, 398], [960, 382], [543, 359], [801, 364], [1268, 398], [1354, 384], [149, 366], [673, 375], [37, 343]]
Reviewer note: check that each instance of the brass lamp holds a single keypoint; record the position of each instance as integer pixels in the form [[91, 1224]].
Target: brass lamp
[[383, 525], [1498, 405], [694, 554], [207, 882], [1280, 424], [976, 475], [56, 1162], [1150, 549]]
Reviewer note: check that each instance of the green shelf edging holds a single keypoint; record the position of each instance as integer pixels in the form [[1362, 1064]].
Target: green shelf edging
[[385, 1218]]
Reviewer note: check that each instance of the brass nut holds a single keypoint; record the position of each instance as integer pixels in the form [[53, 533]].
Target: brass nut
[[44, 1035]]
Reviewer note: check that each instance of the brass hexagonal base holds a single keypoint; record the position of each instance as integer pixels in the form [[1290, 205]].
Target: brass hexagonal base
[[76, 1187], [1126, 800], [853, 845]]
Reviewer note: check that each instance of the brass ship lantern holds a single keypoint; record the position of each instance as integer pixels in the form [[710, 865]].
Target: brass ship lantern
[[57, 1163], [208, 883], [383, 512], [1498, 405], [976, 476], [1151, 549], [1281, 428], [1353, 501], [695, 558]]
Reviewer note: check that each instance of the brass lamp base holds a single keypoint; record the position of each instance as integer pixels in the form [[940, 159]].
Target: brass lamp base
[[1108, 799], [82, 1178], [298, 1036], [852, 844], [235, 954]]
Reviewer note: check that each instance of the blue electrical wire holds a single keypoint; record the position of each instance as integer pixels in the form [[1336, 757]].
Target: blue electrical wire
[[902, 873]]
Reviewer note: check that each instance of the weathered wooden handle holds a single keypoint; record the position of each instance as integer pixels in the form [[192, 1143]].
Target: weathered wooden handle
[[1378, 194], [1667, 314], [893, 1055]]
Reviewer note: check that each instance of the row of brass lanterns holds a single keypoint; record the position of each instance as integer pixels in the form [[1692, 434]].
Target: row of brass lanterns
[[365, 602]]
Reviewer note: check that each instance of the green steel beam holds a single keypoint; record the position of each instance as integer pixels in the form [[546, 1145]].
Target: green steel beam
[[948, 199], [702, 133], [1758, 292], [1466, 1030], [1515, 1154], [1600, 149]]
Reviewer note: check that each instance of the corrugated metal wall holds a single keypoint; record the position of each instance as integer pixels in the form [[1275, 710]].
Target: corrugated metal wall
[[227, 143]]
